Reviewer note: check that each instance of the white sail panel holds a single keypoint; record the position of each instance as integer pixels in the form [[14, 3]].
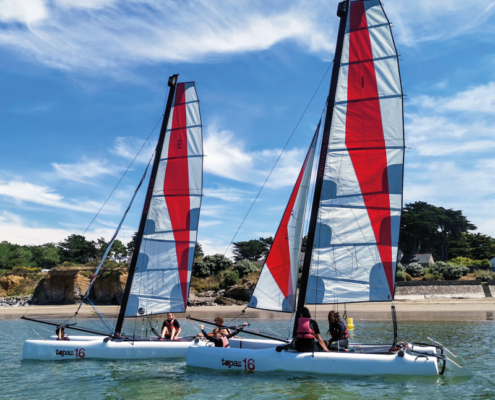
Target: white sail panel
[[357, 233], [163, 270], [276, 287]]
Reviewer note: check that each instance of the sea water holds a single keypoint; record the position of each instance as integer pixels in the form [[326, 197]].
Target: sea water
[[167, 379]]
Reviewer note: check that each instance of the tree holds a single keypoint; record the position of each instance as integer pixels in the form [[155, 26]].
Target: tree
[[77, 249], [6, 251], [131, 245], [426, 228], [251, 250], [198, 251], [101, 246], [46, 256], [211, 265], [118, 250], [475, 246]]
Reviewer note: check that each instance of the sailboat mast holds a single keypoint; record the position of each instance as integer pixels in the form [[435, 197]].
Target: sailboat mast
[[342, 10], [172, 83]]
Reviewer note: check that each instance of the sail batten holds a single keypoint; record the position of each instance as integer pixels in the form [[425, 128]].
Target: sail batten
[[164, 265], [356, 238]]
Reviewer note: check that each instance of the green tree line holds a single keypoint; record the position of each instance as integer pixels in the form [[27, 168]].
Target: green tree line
[[425, 228]]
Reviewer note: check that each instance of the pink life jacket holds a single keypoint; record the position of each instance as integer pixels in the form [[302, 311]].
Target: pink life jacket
[[304, 330], [225, 341]]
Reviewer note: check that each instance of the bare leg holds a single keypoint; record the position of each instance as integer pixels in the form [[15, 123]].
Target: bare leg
[[164, 331]]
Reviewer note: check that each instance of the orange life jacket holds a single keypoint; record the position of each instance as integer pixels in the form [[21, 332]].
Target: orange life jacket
[[304, 330]]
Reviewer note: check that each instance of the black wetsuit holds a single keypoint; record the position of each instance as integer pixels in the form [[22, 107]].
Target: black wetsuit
[[337, 341]]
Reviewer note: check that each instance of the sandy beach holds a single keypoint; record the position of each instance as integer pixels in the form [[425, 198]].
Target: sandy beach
[[424, 310]]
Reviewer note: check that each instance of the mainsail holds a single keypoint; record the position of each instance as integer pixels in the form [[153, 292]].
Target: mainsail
[[276, 287], [357, 228], [162, 273]]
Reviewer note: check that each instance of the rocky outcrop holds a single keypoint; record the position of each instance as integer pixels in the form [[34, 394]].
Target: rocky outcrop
[[241, 292], [9, 282], [110, 289], [62, 287]]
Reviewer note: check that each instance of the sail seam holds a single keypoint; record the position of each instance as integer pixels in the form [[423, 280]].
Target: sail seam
[[391, 96], [184, 127], [368, 60]]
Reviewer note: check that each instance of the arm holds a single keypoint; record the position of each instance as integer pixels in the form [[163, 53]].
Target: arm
[[210, 338], [236, 331], [321, 342]]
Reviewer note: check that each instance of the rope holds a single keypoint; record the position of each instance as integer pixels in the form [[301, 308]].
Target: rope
[[277, 160]]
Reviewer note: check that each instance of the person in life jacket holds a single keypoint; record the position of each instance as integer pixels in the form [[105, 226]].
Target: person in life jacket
[[170, 328], [60, 331], [338, 332], [307, 332], [218, 337]]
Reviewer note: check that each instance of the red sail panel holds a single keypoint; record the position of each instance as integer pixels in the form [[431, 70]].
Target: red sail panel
[[364, 134], [176, 187], [278, 261]]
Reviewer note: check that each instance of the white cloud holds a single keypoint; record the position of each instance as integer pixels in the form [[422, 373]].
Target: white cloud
[[451, 185], [228, 194], [207, 224], [215, 246], [479, 99], [24, 11], [84, 169], [226, 156], [105, 36], [44, 195], [128, 147], [16, 230]]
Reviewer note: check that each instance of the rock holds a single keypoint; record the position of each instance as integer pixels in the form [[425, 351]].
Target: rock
[[110, 290], [9, 282], [241, 292], [209, 293], [225, 301], [63, 287], [221, 292], [201, 301], [241, 303]]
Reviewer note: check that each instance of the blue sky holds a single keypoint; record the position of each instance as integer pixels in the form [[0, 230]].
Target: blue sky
[[83, 83]]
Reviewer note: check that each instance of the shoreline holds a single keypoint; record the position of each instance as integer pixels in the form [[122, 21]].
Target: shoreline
[[407, 310]]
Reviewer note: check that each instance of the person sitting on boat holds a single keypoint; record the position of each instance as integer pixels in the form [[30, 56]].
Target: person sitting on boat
[[338, 331], [218, 336], [170, 328], [307, 332], [60, 331], [219, 323]]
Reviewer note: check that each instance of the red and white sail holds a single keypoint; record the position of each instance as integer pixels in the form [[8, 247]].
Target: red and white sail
[[276, 287], [166, 255], [356, 240]]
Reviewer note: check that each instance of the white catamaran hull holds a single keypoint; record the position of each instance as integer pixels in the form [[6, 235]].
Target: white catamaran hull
[[321, 363], [105, 349]]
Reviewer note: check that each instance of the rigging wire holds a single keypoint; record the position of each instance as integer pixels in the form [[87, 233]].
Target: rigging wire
[[123, 175], [277, 160]]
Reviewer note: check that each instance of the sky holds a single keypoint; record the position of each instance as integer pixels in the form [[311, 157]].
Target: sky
[[83, 83]]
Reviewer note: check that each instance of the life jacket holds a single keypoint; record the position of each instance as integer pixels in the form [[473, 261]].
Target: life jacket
[[225, 341], [345, 334], [169, 323], [304, 330]]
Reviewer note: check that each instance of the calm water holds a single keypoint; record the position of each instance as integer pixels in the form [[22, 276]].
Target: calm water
[[86, 379]]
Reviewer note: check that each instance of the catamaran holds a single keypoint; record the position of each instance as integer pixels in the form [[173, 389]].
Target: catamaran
[[160, 270], [353, 234]]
